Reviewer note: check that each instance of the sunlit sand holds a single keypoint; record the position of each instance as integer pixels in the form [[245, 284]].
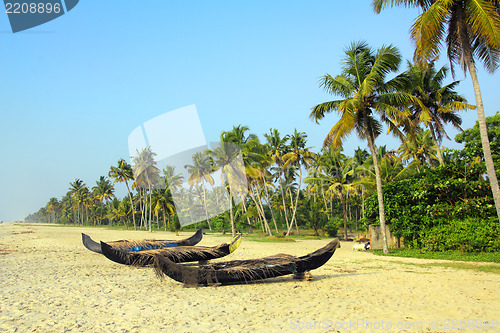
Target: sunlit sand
[[50, 283]]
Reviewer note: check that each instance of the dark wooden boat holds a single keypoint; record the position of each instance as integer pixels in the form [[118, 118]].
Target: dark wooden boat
[[176, 254], [244, 271], [140, 245]]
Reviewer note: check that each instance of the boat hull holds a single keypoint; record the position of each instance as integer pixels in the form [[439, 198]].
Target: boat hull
[[244, 271], [178, 254], [141, 245]]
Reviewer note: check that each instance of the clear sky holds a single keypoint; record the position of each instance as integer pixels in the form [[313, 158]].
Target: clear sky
[[74, 88]]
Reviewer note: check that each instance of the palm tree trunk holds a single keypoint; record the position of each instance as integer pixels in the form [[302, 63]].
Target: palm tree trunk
[[344, 211], [483, 130], [131, 205], [295, 206], [378, 179], [283, 197], [260, 210], [233, 227], [206, 209], [438, 150], [269, 204]]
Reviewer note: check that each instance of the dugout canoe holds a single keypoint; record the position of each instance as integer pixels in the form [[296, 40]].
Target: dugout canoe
[[244, 271], [178, 254], [145, 244]]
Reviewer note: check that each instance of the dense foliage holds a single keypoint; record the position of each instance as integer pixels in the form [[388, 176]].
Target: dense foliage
[[449, 207]]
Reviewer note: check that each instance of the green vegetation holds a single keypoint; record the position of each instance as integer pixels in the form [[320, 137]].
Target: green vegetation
[[439, 200], [446, 255]]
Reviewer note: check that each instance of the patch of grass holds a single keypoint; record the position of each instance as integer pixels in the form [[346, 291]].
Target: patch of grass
[[495, 269], [259, 237], [448, 255]]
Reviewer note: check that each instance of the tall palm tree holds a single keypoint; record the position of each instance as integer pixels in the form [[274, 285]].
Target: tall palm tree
[[146, 175], [300, 156], [366, 94], [103, 191], [74, 191], [53, 207], [199, 173], [277, 149], [123, 173], [336, 173], [437, 104], [471, 30]]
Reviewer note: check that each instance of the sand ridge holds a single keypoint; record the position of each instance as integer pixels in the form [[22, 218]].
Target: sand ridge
[[50, 283]]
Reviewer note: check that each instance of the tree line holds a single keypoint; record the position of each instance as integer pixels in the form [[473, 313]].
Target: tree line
[[290, 186]]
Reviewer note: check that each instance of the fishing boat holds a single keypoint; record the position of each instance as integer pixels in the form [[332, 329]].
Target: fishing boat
[[244, 271], [178, 254], [141, 245]]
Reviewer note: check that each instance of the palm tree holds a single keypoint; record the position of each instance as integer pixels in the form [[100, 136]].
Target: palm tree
[[103, 191], [365, 94], [470, 30], [437, 104], [200, 172], [123, 173], [337, 174], [420, 148], [146, 175], [300, 156], [53, 207], [74, 191], [277, 149]]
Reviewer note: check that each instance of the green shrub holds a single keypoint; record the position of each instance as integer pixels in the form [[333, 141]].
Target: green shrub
[[332, 227], [467, 235]]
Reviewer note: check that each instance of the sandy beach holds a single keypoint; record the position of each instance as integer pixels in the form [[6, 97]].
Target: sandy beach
[[50, 283]]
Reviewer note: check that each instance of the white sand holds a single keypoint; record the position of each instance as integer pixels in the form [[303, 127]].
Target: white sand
[[50, 283]]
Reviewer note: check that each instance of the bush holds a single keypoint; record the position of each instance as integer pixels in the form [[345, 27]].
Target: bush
[[332, 227], [468, 235]]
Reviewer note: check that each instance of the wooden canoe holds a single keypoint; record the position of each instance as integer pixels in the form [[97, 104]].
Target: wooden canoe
[[244, 271], [140, 245], [176, 254]]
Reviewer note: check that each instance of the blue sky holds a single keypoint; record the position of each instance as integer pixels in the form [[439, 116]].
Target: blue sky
[[74, 88]]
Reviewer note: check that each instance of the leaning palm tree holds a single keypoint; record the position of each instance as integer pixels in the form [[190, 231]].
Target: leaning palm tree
[[437, 104], [366, 94], [470, 30], [123, 173]]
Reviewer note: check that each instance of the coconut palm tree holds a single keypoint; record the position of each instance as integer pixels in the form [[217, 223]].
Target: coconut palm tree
[[277, 149], [336, 174], [420, 148], [74, 191], [366, 94], [199, 173], [470, 30], [146, 175], [437, 104], [300, 156], [103, 191], [123, 173]]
